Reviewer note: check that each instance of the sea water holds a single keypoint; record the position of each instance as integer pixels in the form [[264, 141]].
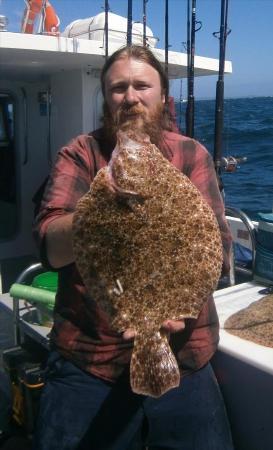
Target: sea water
[[248, 132]]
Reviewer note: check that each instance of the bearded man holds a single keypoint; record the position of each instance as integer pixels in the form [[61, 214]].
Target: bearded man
[[87, 402]]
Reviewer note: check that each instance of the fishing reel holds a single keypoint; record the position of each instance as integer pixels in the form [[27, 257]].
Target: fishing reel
[[231, 163]]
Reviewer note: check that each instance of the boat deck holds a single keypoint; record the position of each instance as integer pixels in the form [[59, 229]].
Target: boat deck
[[229, 301]]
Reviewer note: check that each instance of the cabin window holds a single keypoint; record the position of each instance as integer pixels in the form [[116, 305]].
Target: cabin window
[[8, 200]]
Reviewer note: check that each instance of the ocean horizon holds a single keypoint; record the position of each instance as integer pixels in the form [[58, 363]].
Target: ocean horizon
[[247, 133], [177, 100]]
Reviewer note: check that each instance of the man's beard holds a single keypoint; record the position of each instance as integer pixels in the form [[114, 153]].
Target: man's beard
[[136, 118]]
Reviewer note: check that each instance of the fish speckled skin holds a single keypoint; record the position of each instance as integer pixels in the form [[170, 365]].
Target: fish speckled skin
[[254, 323], [148, 248]]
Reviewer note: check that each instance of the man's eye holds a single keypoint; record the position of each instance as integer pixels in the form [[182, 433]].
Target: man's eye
[[118, 89], [141, 87]]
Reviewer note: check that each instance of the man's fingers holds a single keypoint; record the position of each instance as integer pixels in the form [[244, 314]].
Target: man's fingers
[[169, 326], [173, 326], [129, 334]]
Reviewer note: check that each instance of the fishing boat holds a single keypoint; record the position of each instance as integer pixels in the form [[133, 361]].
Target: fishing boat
[[42, 75]]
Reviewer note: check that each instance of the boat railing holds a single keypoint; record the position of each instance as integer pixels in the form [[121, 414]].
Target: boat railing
[[237, 213], [22, 278]]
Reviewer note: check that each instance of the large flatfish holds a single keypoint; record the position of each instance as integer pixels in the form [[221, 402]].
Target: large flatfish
[[148, 248], [254, 323]]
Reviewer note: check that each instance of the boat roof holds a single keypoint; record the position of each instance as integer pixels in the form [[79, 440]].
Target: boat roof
[[32, 56]]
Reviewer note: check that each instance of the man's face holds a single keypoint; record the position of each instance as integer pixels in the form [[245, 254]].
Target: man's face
[[133, 91]]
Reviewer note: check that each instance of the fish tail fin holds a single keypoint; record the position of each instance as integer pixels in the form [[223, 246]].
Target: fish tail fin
[[153, 369]]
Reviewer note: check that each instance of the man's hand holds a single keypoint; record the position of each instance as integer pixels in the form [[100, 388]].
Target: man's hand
[[129, 334], [173, 326], [170, 326]]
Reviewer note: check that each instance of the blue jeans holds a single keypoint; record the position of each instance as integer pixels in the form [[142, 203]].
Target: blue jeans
[[80, 411]]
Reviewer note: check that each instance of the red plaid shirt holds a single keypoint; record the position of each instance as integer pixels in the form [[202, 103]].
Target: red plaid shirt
[[81, 331]]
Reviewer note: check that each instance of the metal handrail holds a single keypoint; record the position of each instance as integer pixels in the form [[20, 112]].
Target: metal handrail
[[234, 212], [15, 301]]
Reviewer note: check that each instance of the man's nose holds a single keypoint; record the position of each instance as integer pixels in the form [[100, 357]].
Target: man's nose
[[131, 96]]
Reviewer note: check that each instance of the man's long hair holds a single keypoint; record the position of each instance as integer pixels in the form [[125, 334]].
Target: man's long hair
[[140, 53]]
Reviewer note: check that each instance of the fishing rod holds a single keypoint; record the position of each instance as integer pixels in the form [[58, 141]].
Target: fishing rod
[[191, 31], [219, 103], [184, 47], [129, 22], [167, 49], [144, 23], [180, 104], [169, 101], [189, 111], [106, 28]]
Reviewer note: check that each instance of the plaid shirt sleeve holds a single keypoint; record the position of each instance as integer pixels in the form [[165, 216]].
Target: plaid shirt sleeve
[[69, 180], [203, 175]]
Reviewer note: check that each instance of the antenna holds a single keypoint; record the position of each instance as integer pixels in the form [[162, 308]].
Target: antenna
[[144, 23], [167, 45], [106, 28], [129, 22]]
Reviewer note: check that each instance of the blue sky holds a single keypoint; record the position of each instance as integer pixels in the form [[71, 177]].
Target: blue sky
[[249, 46]]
